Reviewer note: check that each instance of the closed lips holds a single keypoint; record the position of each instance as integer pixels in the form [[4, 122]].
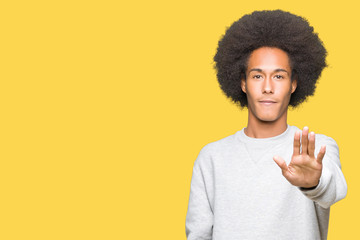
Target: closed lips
[[268, 101]]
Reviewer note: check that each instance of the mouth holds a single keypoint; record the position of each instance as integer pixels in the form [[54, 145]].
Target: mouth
[[267, 102]]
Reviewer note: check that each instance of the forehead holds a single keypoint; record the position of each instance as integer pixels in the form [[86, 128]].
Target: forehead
[[268, 58]]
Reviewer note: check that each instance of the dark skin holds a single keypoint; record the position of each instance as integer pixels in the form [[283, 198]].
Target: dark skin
[[268, 88], [304, 170]]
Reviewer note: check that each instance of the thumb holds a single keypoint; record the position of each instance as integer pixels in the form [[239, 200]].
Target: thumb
[[281, 163]]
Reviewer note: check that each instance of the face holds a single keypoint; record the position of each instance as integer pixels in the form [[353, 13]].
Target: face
[[268, 85]]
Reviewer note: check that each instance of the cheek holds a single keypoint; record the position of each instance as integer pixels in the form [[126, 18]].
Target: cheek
[[252, 88], [284, 90]]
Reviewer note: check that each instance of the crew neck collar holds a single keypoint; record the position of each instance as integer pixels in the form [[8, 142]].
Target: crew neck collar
[[244, 138]]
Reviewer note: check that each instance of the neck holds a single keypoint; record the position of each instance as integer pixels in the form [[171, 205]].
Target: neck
[[265, 129]]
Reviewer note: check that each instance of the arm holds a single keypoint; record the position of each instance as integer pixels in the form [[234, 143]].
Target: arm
[[318, 177], [332, 186], [199, 218]]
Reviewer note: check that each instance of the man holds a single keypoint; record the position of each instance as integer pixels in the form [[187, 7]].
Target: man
[[269, 180]]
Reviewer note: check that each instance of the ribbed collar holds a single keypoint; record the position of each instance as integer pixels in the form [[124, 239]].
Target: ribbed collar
[[241, 136]]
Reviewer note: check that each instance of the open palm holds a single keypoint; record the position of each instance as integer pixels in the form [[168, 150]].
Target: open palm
[[304, 170]]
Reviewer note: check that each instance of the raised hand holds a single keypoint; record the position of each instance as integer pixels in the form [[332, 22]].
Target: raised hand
[[304, 170]]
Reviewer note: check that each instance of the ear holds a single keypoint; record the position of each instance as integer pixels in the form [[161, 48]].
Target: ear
[[293, 85], [243, 83]]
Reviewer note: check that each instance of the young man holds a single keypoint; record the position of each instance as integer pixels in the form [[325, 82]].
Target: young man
[[269, 180]]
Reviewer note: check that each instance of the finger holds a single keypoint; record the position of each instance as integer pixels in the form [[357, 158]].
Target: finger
[[304, 141], [297, 143], [311, 148], [281, 163], [321, 154], [284, 168]]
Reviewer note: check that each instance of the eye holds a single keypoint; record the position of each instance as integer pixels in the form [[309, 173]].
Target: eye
[[279, 76], [256, 76]]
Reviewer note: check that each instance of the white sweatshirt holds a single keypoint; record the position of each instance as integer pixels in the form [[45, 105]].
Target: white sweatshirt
[[238, 192]]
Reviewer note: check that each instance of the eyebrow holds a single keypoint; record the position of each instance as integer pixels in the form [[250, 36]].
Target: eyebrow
[[276, 70]]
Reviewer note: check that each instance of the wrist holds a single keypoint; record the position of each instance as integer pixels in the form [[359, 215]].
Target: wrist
[[310, 188]]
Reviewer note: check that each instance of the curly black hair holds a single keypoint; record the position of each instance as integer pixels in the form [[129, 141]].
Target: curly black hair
[[276, 28]]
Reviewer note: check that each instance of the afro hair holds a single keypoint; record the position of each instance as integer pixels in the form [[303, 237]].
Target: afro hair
[[276, 28]]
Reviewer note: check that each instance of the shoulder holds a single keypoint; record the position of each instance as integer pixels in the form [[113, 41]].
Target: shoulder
[[218, 147], [324, 138], [332, 148], [329, 142], [319, 138], [221, 144]]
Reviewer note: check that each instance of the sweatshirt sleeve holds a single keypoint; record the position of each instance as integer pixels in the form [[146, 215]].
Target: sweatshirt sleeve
[[199, 218], [332, 186]]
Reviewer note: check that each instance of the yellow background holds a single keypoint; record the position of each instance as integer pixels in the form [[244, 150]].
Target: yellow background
[[105, 106]]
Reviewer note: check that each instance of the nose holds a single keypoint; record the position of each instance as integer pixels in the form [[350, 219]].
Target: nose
[[268, 86]]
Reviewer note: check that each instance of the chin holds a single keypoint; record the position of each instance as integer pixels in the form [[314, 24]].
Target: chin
[[268, 118], [267, 115]]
